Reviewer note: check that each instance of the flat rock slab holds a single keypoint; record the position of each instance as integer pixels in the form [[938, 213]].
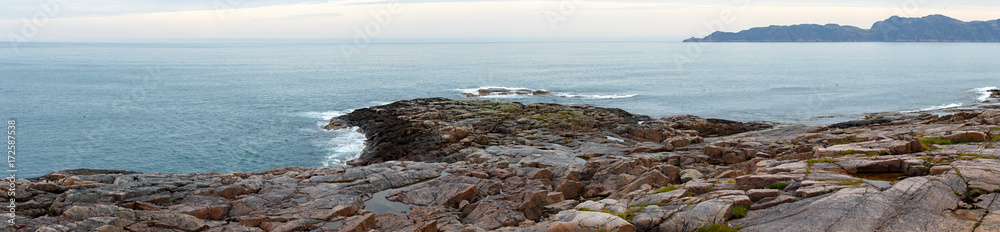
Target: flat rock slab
[[914, 204]]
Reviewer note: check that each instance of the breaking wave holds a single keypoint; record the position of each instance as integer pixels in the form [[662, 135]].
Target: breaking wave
[[509, 92]]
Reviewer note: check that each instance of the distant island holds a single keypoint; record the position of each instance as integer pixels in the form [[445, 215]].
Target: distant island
[[932, 28]]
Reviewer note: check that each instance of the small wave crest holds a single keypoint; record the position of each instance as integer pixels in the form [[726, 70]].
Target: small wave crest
[[341, 145], [945, 106], [345, 145], [508, 92], [324, 115], [986, 92], [595, 96]]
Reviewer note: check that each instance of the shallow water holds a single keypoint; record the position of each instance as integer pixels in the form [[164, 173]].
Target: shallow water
[[380, 204]]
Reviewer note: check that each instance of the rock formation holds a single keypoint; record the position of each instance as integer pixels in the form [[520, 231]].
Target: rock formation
[[445, 165]]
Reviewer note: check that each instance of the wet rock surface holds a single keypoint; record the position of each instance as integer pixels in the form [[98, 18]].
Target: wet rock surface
[[500, 166]]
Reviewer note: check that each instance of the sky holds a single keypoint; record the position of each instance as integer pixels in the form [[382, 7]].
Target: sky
[[339, 21]]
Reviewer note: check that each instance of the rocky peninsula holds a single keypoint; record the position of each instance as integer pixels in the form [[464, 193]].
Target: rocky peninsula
[[477, 165]]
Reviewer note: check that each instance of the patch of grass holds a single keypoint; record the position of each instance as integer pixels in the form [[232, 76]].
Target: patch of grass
[[928, 147], [973, 156], [718, 228], [849, 152], [936, 140], [692, 202], [976, 192], [854, 183], [948, 141], [930, 161], [666, 189], [778, 186], [847, 140], [872, 154], [731, 182], [824, 160], [628, 215], [738, 212]]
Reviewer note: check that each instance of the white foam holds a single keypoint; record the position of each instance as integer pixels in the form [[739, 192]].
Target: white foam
[[945, 106], [343, 145], [346, 144], [324, 115], [475, 91], [594, 96], [984, 93]]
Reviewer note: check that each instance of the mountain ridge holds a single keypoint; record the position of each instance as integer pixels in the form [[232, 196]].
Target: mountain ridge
[[931, 28]]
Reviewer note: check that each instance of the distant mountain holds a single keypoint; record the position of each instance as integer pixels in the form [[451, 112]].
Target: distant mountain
[[932, 28]]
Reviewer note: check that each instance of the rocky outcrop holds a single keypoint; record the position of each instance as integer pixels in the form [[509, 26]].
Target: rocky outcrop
[[608, 172], [439, 129], [501, 91]]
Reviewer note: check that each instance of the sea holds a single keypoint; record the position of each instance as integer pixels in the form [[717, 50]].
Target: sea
[[217, 107]]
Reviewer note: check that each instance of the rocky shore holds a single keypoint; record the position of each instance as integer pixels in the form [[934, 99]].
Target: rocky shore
[[445, 165]]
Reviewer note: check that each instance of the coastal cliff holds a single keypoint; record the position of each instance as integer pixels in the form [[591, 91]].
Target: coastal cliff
[[445, 165], [932, 28]]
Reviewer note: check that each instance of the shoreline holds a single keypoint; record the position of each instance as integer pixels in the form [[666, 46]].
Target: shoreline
[[476, 165]]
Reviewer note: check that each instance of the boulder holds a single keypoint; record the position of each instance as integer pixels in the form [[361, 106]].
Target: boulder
[[652, 178], [968, 136], [492, 214], [607, 204], [692, 217], [557, 207], [203, 207], [360, 223], [761, 181], [690, 174], [768, 202], [572, 220], [757, 194]]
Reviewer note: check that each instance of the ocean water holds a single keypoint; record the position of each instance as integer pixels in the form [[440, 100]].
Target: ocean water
[[249, 107]]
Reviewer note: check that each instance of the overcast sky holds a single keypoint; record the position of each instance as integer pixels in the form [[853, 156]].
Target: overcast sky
[[442, 20]]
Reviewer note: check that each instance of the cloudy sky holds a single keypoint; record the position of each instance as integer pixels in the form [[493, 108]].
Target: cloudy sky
[[442, 20]]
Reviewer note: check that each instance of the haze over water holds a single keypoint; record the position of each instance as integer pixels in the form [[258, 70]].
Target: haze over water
[[249, 107]]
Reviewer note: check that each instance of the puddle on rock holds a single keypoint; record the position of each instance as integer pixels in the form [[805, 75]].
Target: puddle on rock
[[892, 176], [379, 204], [300, 200], [580, 160], [333, 225], [882, 181]]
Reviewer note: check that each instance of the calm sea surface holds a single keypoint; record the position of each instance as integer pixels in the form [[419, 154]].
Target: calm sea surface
[[248, 107]]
